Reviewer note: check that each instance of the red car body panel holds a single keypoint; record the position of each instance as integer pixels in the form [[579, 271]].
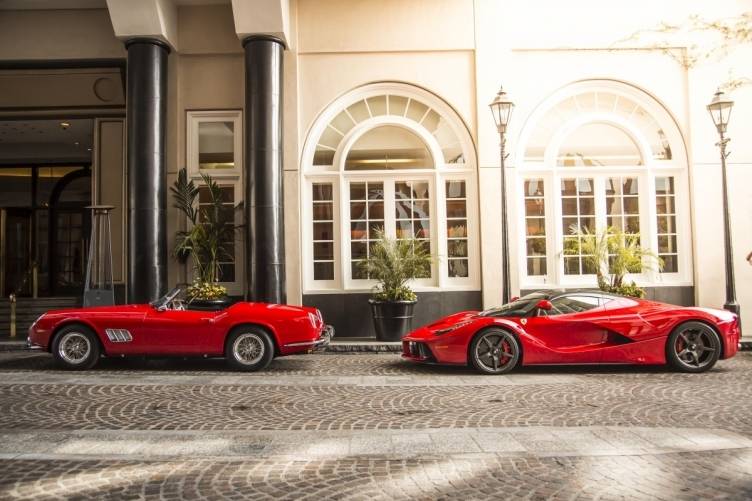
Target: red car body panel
[[623, 331], [295, 329]]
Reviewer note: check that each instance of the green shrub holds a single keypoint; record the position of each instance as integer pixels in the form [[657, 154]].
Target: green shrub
[[205, 242], [393, 263], [611, 255]]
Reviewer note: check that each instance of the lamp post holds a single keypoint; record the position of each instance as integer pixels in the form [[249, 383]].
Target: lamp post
[[501, 109], [720, 110]]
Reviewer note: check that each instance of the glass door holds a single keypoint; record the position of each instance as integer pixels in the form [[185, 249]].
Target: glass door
[[16, 250]]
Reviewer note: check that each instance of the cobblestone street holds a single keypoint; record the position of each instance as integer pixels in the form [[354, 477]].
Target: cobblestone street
[[370, 426]]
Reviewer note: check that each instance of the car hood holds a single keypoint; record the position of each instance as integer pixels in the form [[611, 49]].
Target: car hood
[[452, 319], [430, 330]]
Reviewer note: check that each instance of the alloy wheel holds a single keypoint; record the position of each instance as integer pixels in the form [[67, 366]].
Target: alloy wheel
[[248, 348], [74, 347], [696, 346], [496, 351]]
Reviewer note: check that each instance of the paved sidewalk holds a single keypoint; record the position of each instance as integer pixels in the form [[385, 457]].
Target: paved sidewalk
[[534, 441], [372, 427]]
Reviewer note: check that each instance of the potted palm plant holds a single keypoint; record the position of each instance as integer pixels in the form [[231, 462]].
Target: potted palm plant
[[612, 254], [393, 263], [210, 228]]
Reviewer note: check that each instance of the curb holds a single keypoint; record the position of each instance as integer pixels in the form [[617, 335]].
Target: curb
[[12, 346], [363, 347], [334, 347]]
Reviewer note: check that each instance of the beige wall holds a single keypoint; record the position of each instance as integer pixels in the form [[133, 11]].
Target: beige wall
[[542, 45], [461, 50], [206, 74], [58, 34], [385, 25]]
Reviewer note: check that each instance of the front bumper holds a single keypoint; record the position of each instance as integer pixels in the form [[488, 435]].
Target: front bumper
[[417, 351], [33, 346]]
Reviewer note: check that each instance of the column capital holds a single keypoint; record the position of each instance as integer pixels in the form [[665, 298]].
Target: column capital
[[145, 19], [262, 18]]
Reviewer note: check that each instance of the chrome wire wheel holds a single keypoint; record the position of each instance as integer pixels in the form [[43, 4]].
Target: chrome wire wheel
[[495, 352], [74, 348], [248, 348], [696, 346]]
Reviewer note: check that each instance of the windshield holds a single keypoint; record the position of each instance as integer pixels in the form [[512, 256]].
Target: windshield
[[521, 307], [162, 301]]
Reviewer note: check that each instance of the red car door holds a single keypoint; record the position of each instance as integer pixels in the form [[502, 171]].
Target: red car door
[[179, 331], [571, 331]]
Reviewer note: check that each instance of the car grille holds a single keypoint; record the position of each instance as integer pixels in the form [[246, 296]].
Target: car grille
[[416, 349]]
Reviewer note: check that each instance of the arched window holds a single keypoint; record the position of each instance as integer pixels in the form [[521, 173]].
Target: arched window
[[597, 145], [595, 155], [395, 158]]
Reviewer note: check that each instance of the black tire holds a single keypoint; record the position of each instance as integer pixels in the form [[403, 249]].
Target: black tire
[[494, 351], [249, 349], [76, 347], [693, 347]]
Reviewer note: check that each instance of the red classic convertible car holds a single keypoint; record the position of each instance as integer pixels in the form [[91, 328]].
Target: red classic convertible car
[[248, 335], [580, 327]]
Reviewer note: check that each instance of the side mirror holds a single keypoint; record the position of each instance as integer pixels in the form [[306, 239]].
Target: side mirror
[[544, 304]]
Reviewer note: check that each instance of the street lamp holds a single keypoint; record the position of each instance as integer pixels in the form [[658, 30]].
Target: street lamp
[[501, 109], [720, 110]]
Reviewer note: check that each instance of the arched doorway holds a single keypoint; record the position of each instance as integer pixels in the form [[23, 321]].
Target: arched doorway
[[69, 230]]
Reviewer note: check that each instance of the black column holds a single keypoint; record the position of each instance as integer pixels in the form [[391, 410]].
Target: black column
[[264, 217], [147, 179]]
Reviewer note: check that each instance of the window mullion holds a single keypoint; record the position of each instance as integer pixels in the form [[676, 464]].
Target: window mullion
[[599, 187], [439, 231], [390, 226]]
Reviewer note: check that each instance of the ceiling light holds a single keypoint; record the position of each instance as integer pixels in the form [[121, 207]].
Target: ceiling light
[[64, 125], [76, 143]]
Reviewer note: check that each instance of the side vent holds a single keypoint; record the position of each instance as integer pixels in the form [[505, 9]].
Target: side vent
[[118, 335]]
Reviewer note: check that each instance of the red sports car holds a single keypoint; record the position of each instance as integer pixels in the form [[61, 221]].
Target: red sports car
[[578, 327], [248, 335]]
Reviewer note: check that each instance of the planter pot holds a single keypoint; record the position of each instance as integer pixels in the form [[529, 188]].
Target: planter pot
[[392, 320], [209, 304]]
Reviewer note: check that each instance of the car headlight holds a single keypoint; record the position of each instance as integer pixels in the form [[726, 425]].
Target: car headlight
[[453, 327]]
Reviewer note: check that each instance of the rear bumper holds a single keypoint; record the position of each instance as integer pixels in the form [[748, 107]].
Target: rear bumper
[[323, 340], [731, 335]]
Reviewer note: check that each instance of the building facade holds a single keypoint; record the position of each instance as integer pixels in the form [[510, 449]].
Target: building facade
[[325, 121]]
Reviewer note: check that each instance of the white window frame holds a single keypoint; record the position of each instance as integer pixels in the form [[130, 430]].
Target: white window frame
[[223, 177], [196, 117], [436, 176], [552, 174]]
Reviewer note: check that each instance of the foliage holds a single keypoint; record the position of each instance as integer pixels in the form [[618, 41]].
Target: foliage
[[611, 255], [205, 290], [631, 289], [393, 263], [210, 228], [697, 40]]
